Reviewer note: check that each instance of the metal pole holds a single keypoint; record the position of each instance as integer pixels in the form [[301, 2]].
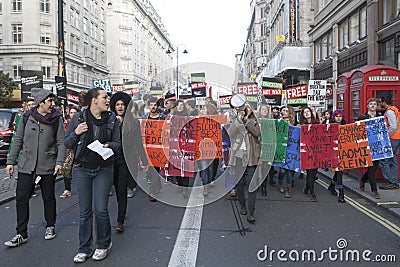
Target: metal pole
[[177, 73], [61, 46]]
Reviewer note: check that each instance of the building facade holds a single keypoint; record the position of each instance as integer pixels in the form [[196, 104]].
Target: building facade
[[137, 42]]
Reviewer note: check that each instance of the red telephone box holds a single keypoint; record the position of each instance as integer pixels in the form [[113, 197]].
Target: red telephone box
[[342, 87], [374, 81]]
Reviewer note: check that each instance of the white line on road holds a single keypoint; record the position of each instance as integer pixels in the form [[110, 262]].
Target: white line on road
[[187, 241], [386, 223]]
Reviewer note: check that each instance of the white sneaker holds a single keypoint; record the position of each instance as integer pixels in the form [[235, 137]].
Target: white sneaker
[[101, 254], [81, 257], [16, 241], [50, 233]]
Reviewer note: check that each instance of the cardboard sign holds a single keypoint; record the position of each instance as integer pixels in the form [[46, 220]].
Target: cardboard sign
[[224, 101], [30, 79], [105, 84], [296, 95], [209, 138], [316, 93], [155, 135], [318, 147], [378, 138], [61, 89], [353, 149]]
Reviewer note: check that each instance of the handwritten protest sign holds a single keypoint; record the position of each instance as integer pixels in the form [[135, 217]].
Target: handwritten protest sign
[[281, 127], [292, 161], [182, 146], [268, 140], [155, 135], [318, 147], [209, 137], [316, 92], [378, 139], [353, 149]]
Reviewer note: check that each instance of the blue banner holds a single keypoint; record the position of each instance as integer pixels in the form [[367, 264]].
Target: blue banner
[[292, 161], [378, 139]]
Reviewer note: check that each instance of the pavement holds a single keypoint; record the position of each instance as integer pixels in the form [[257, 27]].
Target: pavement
[[389, 201]]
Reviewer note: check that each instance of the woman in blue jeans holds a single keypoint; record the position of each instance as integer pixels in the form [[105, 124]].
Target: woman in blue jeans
[[92, 174]]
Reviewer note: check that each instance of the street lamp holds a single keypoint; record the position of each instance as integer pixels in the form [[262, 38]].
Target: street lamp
[[177, 65]]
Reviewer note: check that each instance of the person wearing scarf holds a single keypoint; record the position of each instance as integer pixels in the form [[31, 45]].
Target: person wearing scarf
[[39, 145], [92, 174]]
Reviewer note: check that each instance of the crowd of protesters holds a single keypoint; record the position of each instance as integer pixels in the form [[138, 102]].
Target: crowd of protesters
[[49, 132]]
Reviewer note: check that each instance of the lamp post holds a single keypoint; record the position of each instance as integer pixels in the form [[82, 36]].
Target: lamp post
[[177, 66]]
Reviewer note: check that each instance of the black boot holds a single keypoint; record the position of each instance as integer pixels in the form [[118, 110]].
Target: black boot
[[331, 189], [341, 196], [263, 190], [250, 217]]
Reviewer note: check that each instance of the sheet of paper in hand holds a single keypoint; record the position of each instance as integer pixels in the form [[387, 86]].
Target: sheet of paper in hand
[[104, 152]]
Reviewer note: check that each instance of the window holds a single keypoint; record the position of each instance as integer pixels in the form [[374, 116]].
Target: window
[[96, 29], [16, 33], [353, 28], [102, 39], [72, 43], [1, 6], [17, 67], [84, 3], [102, 14], [45, 34], [16, 5], [85, 49], [1, 64], [76, 20], [343, 34], [71, 15], [388, 50], [1, 33], [363, 22], [91, 29], [263, 29], [318, 45], [330, 42], [387, 10], [397, 8], [85, 25], [46, 63], [45, 6], [264, 48]]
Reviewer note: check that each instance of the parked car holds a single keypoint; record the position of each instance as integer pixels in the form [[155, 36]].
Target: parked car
[[7, 117]]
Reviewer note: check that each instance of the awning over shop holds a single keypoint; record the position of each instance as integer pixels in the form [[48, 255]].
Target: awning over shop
[[287, 58]]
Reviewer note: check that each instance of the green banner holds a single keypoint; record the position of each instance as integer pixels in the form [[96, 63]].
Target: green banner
[[268, 140], [294, 101], [17, 119], [282, 127]]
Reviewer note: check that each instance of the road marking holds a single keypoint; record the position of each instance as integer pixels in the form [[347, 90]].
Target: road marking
[[187, 241], [388, 203], [376, 217]]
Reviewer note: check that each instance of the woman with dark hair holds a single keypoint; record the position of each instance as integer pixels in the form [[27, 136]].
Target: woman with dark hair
[[326, 119], [337, 117], [179, 108], [307, 117], [93, 174]]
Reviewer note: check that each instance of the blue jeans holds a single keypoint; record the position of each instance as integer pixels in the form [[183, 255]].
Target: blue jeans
[[389, 166], [93, 184], [206, 167]]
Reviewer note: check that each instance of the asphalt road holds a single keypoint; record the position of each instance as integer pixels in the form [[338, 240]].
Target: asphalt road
[[295, 226]]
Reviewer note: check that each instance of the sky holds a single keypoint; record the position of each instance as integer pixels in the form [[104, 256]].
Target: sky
[[212, 31]]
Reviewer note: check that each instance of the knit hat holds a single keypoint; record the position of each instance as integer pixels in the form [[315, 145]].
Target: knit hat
[[337, 111], [39, 95], [120, 96]]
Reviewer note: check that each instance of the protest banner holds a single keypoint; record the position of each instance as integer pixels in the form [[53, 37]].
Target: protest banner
[[378, 138], [155, 135], [61, 90], [105, 84], [318, 146], [316, 93], [224, 101], [296, 95], [198, 84], [292, 160], [272, 90], [30, 79], [281, 127], [353, 149], [268, 140], [182, 146], [209, 137], [250, 90]]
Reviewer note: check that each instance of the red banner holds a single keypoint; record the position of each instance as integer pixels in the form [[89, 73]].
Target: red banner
[[318, 146], [155, 135]]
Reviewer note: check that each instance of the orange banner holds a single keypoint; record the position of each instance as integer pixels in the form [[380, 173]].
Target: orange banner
[[353, 146], [209, 137], [155, 136]]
